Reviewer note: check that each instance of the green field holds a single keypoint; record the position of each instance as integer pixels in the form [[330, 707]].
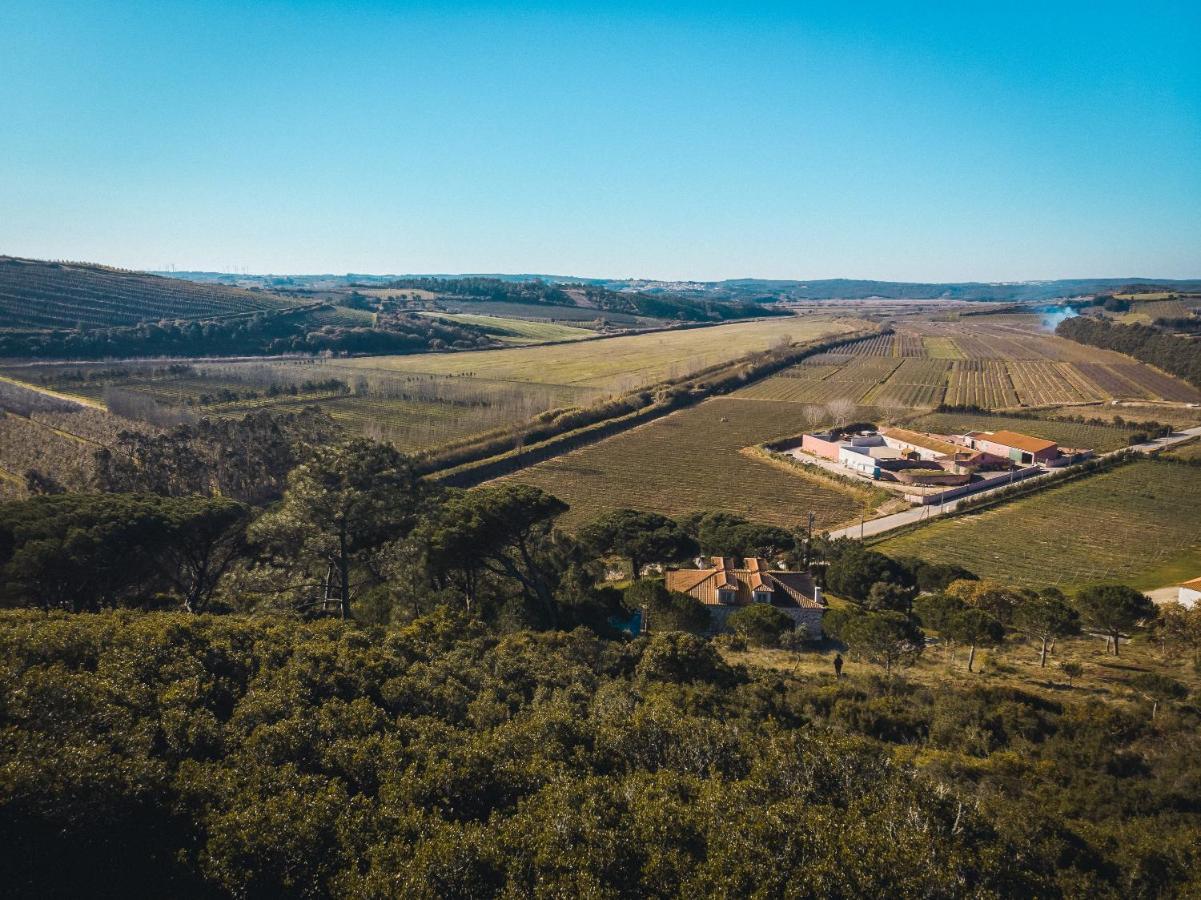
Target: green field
[[538, 312], [517, 331], [1137, 524], [691, 461], [615, 364]]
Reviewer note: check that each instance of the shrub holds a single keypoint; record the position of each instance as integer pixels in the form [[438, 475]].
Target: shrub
[[762, 625]]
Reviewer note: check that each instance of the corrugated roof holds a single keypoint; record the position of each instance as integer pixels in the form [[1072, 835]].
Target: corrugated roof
[[919, 439], [1019, 441]]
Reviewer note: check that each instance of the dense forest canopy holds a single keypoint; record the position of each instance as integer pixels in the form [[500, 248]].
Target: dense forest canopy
[[203, 756], [1180, 356], [295, 330]]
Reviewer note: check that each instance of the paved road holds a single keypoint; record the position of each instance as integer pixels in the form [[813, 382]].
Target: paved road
[[917, 514]]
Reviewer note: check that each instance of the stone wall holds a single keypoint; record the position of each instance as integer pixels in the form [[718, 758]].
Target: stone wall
[[810, 618]]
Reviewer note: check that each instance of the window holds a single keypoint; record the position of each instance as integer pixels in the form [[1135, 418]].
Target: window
[[726, 596], [762, 596]]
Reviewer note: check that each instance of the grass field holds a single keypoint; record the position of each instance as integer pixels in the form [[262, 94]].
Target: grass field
[[1014, 664], [518, 331], [1190, 451], [690, 461], [615, 364], [543, 313], [1136, 524]]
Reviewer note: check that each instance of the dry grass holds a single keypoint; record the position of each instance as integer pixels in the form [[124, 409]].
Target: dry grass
[[1013, 664], [616, 364]]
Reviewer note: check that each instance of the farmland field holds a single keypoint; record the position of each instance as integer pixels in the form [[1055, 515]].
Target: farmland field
[[691, 461], [1190, 452], [1157, 384], [1042, 383], [980, 382], [538, 312], [1005, 363], [517, 331], [941, 347], [395, 399], [1127, 524], [615, 364], [880, 345], [791, 388], [36, 295]]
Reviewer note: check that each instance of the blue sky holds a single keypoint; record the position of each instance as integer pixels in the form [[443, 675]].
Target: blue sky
[[947, 141]]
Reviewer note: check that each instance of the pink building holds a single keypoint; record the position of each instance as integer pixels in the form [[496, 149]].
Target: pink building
[[822, 444]]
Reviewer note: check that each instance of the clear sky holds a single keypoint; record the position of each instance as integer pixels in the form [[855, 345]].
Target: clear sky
[[913, 141]]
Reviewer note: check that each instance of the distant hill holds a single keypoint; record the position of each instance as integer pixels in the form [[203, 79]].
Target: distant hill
[[39, 295], [664, 306], [748, 289], [766, 290]]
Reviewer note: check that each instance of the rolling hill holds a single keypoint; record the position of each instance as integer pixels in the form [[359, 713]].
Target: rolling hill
[[38, 295]]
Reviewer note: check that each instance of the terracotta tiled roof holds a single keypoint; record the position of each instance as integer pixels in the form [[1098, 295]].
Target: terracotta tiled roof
[[787, 588], [1194, 584], [685, 580], [1021, 441]]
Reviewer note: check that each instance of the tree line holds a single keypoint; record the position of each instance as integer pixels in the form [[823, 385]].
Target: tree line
[[536, 291], [263, 332], [1179, 356]]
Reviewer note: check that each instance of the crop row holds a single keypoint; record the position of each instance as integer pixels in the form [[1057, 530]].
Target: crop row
[[1156, 383], [1047, 383], [907, 343], [982, 383], [795, 390], [52, 295], [912, 396], [878, 345]]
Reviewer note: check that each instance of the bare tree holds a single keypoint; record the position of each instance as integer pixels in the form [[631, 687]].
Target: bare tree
[[890, 410], [841, 411], [814, 417]]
